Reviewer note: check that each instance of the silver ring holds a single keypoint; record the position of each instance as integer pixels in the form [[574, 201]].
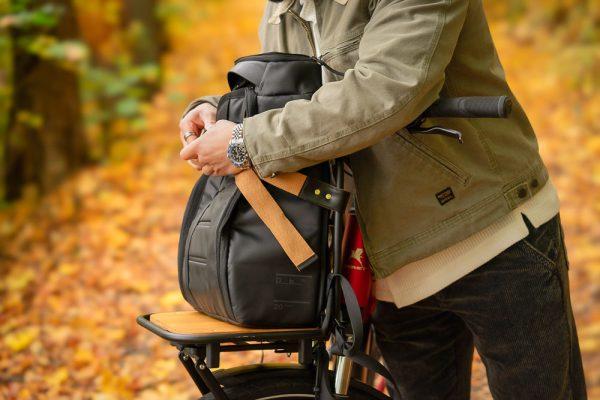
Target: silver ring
[[186, 135]]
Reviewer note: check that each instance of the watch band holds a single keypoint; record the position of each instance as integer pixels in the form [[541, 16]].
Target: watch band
[[236, 151], [238, 131]]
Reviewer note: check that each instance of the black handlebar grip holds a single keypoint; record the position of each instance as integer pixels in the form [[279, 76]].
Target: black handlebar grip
[[470, 107]]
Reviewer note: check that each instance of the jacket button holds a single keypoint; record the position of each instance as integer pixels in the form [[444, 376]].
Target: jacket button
[[522, 193]]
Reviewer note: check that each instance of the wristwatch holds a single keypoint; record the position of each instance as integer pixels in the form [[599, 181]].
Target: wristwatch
[[236, 151]]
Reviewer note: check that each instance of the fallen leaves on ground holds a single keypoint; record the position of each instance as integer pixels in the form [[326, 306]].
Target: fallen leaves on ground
[[81, 265]]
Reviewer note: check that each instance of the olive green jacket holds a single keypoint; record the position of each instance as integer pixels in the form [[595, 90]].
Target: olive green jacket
[[415, 194]]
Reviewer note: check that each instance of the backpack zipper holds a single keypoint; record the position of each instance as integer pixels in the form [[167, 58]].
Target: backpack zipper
[[275, 56]]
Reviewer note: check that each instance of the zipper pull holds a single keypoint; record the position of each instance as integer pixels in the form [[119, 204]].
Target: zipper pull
[[437, 130], [322, 63]]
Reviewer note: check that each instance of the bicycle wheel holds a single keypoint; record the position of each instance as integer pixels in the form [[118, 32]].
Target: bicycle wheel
[[283, 384]]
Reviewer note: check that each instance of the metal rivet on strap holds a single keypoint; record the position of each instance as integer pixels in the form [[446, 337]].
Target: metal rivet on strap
[[328, 196], [317, 192]]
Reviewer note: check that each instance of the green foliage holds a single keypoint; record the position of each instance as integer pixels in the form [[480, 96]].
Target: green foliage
[[114, 91], [116, 97], [22, 16], [34, 24]]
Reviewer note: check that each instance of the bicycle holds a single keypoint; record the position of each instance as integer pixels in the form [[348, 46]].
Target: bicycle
[[200, 339]]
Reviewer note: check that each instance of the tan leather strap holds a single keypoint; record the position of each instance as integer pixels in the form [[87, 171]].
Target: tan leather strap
[[291, 182], [270, 213]]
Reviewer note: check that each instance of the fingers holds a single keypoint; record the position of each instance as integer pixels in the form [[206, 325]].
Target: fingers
[[204, 169], [201, 117], [190, 136], [189, 124], [208, 114], [195, 164], [201, 167], [190, 151]]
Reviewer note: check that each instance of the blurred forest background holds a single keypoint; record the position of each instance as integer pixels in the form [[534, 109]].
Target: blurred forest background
[[92, 189]]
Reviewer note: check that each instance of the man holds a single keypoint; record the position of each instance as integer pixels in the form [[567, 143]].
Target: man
[[464, 239]]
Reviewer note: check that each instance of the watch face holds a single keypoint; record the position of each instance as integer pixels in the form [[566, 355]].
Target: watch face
[[237, 153]]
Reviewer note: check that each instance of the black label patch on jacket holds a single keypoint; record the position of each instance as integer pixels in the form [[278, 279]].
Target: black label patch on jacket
[[445, 196]]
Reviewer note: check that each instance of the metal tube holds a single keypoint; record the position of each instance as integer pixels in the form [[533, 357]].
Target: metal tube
[[338, 234], [188, 363], [343, 372], [210, 381], [343, 365], [338, 221]]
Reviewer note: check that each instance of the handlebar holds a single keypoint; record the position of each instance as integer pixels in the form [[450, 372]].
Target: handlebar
[[470, 107]]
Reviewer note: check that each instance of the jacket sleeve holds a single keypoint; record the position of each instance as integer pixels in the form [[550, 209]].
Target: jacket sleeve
[[403, 53], [214, 100]]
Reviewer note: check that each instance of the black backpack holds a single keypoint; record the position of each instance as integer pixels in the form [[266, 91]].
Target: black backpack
[[231, 266]]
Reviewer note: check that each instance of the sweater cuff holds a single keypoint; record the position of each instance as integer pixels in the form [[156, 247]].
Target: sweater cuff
[[253, 142], [212, 100]]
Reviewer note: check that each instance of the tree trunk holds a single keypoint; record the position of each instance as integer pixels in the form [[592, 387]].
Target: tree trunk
[[45, 140], [151, 43]]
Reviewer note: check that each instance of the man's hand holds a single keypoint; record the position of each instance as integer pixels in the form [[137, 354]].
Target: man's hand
[[194, 122], [201, 117], [209, 151]]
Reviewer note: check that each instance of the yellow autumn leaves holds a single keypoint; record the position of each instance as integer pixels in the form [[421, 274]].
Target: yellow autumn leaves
[[101, 249]]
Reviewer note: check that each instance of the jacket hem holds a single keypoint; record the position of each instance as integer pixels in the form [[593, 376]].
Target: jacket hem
[[448, 232]]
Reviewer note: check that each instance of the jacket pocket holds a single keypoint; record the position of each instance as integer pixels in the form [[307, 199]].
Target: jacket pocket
[[343, 55], [545, 243], [342, 48], [433, 158], [342, 44]]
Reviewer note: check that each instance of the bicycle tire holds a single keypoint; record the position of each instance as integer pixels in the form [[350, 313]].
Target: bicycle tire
[[284, 384]]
